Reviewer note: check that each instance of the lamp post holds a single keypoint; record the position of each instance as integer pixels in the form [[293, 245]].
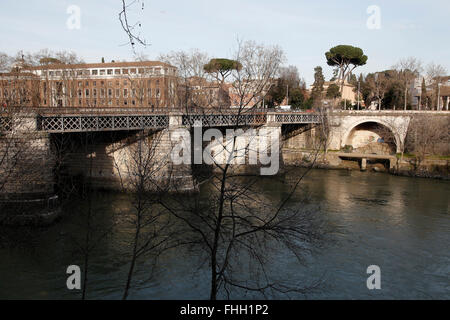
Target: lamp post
[[287, 94], [438, 107], [359, 87]]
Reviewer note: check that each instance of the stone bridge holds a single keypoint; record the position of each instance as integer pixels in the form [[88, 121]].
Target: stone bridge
[[38, 127]]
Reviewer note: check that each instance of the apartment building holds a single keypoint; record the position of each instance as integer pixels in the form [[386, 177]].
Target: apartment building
[[116, 84]]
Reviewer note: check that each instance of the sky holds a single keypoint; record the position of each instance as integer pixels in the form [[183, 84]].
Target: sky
[[386, 30]]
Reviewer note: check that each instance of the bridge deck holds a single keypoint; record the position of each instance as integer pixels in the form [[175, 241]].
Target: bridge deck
[[114, 119]]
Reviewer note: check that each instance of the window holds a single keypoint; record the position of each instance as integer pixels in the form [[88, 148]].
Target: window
[[86, 72], [80, 93], [124, 71], [102, 83], [125, 93], [125, 102], [95, 83], [125, 82], [87, 83], [110, 92], [133, 102], [94, 93], [86, 92], [102, 93], [117, 71], [117, 93], [94, 72], [109, 102], [110, 83], [141, 70], [133, 71], [80, 83], [51, 73], [102, 72], [110, 71], [133, 93]]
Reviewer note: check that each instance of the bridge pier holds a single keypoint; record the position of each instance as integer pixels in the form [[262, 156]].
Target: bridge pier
[[112, 160], [363, 164], [26, 174]]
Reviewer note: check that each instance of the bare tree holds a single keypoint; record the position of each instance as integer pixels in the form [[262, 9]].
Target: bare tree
[[260, 67], [322, 141], [146, 173], [193, 81], [5, 62], [379, 85], [130, 27], [408, 69], [93, 233], [428, 135], [435, 72], [235, 221]]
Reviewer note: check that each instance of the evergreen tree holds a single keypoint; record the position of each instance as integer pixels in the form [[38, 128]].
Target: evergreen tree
[[423, 96], [319, 80]]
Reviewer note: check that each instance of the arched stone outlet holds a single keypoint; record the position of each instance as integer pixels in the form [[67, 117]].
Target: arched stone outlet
[[372, 137], [343, 129]]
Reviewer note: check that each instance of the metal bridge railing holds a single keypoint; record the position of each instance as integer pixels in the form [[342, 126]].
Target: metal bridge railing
[[101, 123]]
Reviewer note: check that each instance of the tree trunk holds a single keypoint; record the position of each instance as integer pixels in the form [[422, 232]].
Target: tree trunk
[[406, 97], [133, 258], [213, 295]]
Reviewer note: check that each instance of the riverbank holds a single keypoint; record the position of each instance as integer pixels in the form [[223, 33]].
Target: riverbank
[[432, 168]]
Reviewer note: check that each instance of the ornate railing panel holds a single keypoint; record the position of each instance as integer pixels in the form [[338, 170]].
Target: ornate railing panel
[[214, 120], [5, 124], [297, 118], [102, 123]]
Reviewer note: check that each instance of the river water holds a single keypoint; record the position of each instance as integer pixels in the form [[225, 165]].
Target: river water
[[400, 224]]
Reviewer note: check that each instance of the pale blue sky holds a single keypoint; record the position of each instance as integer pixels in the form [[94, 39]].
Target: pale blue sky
[[305, 29]]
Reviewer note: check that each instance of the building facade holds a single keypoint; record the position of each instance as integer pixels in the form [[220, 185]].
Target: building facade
[[122, 84]]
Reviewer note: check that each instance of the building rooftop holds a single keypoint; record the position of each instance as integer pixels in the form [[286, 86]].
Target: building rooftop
[[102, 65]]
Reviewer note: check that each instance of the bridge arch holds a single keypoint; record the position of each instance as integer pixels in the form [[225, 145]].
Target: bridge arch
[[365, 131]]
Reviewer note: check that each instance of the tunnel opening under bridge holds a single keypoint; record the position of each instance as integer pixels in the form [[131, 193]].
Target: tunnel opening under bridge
[[371, 138]]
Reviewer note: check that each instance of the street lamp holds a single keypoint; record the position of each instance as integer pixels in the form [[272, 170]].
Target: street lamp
[[359, 87], [438, 107]]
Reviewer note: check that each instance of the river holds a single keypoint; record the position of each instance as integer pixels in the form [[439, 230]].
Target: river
[[400, 224]]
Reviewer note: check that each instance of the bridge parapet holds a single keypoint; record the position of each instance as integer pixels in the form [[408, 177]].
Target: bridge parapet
[[294, 118], [77, 123], [217, 120]]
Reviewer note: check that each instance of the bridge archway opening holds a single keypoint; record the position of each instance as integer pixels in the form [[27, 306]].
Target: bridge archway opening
[[373, 138]]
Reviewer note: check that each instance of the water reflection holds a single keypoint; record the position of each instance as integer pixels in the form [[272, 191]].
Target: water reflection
[[401, 224]]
